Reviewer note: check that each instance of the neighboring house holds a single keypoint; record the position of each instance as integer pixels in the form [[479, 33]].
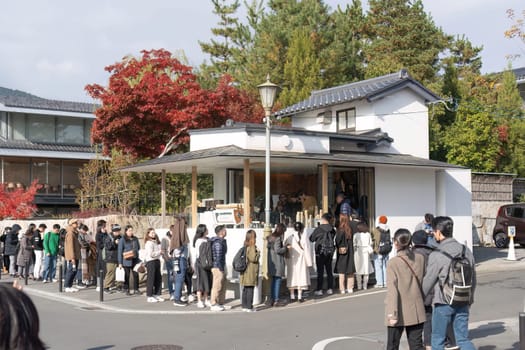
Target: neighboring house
[[369, 139], [520, 80], [47, 141]]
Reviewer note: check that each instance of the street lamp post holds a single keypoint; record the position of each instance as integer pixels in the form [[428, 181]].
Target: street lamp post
[[268, 91]]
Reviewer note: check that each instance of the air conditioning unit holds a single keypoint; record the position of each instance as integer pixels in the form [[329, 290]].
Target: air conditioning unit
[[324, 117]]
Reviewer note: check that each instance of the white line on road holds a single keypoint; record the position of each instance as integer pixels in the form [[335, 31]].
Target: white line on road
[[323, 343]]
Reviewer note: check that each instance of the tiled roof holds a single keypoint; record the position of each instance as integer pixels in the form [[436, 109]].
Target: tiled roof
[[50, 147], [519, 73], [34, 102], [366, 89], [233, 151]]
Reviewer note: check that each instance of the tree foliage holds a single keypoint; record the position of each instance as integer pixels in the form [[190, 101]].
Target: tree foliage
[[517, 29], [17, 203]]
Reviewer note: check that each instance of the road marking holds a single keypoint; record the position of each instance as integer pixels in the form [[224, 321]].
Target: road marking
[[323, 343]]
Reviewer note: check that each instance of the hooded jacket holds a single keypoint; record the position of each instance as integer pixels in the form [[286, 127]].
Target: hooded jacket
[[319, 234], [11, 240]]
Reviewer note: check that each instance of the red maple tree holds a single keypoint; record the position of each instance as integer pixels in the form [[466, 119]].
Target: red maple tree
[[151, 99], [17, 203]]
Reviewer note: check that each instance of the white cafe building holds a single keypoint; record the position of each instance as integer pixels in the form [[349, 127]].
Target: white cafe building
[[370, 137]]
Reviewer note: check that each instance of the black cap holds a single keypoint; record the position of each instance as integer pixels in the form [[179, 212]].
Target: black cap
[[115, 227], [419, 237]]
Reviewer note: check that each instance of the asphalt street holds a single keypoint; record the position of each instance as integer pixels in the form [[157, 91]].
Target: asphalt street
[[332, 323]]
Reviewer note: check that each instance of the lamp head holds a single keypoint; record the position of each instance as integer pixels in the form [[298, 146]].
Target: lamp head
[[268, 91]]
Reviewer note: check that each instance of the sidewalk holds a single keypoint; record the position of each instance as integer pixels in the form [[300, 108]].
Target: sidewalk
[[487, 260]]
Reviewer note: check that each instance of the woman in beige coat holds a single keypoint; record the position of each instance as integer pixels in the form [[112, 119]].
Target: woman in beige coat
[[250, 276], [404, 305]]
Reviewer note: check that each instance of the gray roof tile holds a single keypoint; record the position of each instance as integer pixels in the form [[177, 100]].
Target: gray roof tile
[[356, 91], [34, 102], [52, 147]]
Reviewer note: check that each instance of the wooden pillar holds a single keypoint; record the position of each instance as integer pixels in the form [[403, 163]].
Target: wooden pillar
[[194, 218], [163, 197], [247, 194], [324, 182]]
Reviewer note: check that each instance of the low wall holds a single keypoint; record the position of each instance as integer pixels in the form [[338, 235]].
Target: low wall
[[483, 221]]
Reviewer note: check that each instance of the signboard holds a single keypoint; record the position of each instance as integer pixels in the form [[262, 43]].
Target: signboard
[[512, 231]]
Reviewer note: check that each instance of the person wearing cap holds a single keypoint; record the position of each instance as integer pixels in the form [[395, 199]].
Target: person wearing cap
[[380, 260], [111, 242], [72, 254], [38, 248]]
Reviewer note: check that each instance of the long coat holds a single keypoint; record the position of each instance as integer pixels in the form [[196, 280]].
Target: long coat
[[276, 251], [11, 241], [72, 244], [362, 250], [404, 299], [25, 251], [299, 261], [344, 263], [250, 276]]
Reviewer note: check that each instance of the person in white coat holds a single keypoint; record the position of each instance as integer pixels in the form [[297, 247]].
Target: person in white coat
[[363, 249], [299, 261]]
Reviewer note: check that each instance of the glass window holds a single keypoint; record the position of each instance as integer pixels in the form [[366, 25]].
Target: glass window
[[40, 128], [16, 171], [3, 124], [346, 120], [87, 131], [70, 130], [70, 173], [18, 126]]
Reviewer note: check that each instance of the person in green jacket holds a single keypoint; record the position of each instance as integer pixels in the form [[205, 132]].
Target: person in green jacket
[[51, 242], [250, 276]]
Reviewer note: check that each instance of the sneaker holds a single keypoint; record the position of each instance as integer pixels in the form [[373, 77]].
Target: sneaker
[[248, 310], [191, 298], [217, 307], [451, 347], [152, 300], [81, 286], [108, 291], [179, 303], [97, 289], [200, 305], [172, 297], [226, 307], [71, 290], [349, 291], [318, 292], [159, 298], [184, 298], [137, 292], [329, 292], [207, 303], [45, 281], [55, 280]]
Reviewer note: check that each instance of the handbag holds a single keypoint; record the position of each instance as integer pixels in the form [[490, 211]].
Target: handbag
[[342, 250], [128, 255], [120, 275], [140, 268]]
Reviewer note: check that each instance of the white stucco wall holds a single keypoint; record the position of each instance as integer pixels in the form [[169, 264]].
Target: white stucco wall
[[404, 195], [454, 199], [218, 138]]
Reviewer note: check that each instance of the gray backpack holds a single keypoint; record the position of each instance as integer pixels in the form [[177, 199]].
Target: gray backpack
[[457, 288]]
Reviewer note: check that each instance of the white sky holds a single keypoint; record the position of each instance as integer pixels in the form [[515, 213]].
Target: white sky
[[53, 48]]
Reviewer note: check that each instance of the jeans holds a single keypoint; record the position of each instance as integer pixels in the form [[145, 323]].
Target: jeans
[[380, 267], [169, 270], [324, 262], [414, 337], [442, 316], [276, 287], [179, 277], [50, 266], [71, 271], [247, 297]]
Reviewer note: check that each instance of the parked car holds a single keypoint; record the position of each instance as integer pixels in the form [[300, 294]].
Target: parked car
[[509, 215]]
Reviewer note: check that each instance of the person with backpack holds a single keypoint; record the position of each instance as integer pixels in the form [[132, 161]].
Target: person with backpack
[[363, 249], [323, 237], [249, 277], [203, 265], [51, 241], [451, 274], [404, 306], [219, 249], [382, 248], [276, 264]]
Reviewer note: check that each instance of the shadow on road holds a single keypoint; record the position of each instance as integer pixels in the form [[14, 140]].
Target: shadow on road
[[486, 330], [103, 347], [482, 254], [515, 346]]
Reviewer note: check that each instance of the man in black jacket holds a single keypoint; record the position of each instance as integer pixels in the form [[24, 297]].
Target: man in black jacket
[[111, 249], [323, 236], [99, 240]]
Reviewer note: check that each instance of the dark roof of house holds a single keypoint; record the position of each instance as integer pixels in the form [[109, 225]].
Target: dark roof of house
[[370, 89], [20, 99], [40, 146], [236, 152], [366, 136], [519, 73]]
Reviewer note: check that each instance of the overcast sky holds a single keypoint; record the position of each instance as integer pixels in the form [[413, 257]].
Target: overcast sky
[[53, 48]]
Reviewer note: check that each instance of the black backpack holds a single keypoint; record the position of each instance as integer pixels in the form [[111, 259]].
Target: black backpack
[[327, 244], [385, 242], [457, 288], [205, 259], [240, 262]]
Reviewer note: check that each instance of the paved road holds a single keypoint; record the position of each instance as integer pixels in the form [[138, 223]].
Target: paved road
[[357, 319]]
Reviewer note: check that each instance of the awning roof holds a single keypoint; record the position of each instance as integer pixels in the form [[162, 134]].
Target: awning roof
[[232, 157]]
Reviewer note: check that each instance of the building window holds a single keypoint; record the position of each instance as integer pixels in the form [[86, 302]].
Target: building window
[[40, 129], [70, 130], [16, 172], [3, 125], [346, 119]]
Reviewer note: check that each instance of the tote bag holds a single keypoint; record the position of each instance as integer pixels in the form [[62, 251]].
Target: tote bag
[[120, 276]]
